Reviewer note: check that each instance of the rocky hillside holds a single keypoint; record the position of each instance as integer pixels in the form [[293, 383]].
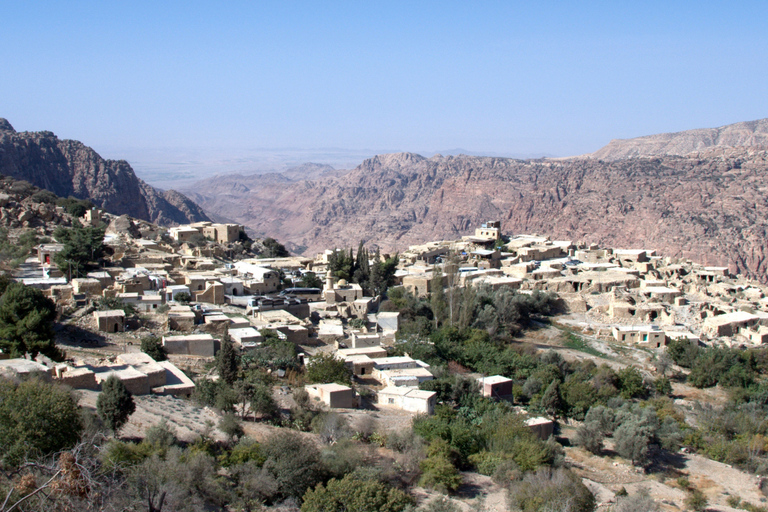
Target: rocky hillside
[[711, 207], [70, 168], [746, 134]]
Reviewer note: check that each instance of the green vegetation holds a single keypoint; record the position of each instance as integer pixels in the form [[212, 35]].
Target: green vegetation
[[153, 347], [14, 252], [26, 322], [325, 368], [82, 247], [371, 271], [36, 418], [355, 492], [115, 404], [274, 249]]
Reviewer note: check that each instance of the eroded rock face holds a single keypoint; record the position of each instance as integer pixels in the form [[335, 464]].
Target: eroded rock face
[[747, 134], [711, 207], [69, 168]]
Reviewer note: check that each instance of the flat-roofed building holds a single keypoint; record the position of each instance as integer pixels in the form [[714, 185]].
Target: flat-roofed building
[[190, 345], [333, 395], [408, 399]]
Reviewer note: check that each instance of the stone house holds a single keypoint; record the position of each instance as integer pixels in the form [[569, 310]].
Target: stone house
[[191, 345], [408, 399], [648, 336], [112, 320], [495, 386], [333, 395]]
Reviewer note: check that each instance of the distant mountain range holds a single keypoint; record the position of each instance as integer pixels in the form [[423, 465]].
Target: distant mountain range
[[747, 134], [70, 168], [701, 194]]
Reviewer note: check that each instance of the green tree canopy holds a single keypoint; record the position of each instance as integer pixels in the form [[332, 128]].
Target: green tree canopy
[[153, 347], [36, 418], [81, 246], [26, 322], [325, 368], [115, 404]]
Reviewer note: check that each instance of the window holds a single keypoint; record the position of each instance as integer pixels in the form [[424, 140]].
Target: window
[[391, 401]]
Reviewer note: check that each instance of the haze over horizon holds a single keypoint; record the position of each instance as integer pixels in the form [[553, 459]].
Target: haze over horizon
[[180, 89]]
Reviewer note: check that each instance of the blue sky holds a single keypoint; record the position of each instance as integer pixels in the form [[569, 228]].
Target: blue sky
[[560, 78]]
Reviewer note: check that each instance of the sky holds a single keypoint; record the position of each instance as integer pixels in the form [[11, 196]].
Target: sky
[[223, 82]]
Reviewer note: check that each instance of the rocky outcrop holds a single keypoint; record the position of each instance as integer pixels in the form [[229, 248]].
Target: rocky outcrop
[[711, 207], [69, 168], [747, 134]]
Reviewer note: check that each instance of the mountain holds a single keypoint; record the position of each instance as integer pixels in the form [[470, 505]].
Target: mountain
[[746, 134], [70, 168], [711, 207]]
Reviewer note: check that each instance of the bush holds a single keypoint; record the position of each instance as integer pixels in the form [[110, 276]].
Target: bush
[[294, 463], [153, 347], [551, 490], [437, 470], [326, 368], [115, 404], [26, 322], [36, 418], [640, 502], [355, 493], [590, 437]]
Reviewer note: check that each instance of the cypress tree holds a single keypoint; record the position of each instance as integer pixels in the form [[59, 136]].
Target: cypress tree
[[115, 404], [227, 363]]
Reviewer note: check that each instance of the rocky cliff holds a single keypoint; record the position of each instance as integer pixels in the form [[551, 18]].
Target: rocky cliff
[[746, 134], [69, 168], [711, 207]]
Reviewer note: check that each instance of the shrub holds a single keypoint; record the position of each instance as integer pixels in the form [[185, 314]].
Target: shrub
[[293, 461], [26, 322], [548, 489], [36, 418], [325, 368], [590, 437], [438, 472], [153, 347], [115, 404], [355, 493]]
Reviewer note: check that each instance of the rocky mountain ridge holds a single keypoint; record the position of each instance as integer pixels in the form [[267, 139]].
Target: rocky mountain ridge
[[70, 168], [744, 134], [711, 207]]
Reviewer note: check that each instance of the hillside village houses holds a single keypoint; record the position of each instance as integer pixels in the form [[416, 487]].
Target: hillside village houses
[[631, 296]]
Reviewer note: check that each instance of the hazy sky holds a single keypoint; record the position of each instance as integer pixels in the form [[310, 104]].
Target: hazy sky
[[508, 77]]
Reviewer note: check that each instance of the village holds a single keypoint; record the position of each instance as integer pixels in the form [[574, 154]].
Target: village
[[630, 296]]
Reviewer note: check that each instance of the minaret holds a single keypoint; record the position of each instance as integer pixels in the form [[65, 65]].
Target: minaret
[[330, 294]]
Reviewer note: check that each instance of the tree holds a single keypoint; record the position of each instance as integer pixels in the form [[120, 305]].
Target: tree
[[153, 347], [226, 364], [355, 493], [631, 383], [26, 322], [231, 426], [293, 461], [310, 280], [551, 400], [437, 298], [590, 437], [115, 404], [36, 418], [81, 245], [255, 395], [437, 470], [274, 249], [325, 368]]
